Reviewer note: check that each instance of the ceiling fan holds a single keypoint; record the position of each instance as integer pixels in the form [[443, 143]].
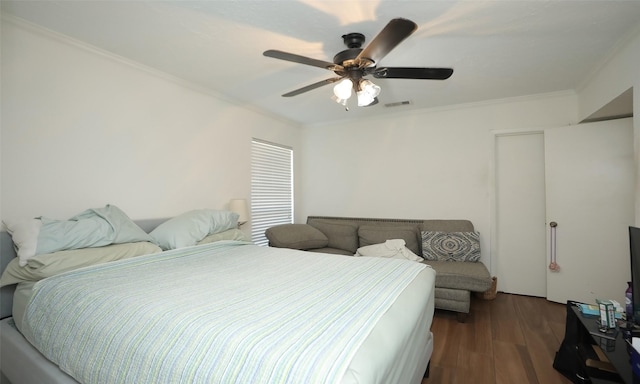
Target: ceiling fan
[[354, 63]]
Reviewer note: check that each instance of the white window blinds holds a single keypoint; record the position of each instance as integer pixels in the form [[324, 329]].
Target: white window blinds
[[271, 188]]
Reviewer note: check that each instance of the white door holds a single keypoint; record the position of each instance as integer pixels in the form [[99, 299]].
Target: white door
[[520, 249], [590, 194]]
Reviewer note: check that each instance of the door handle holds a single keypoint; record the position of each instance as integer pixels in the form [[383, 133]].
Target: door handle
[[553, 264]]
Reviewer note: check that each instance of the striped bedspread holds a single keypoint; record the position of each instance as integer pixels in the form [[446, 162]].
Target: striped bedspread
[[225, 312]]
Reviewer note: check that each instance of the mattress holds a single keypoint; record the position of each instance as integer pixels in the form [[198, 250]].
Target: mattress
[[402, 334], [21, 297]]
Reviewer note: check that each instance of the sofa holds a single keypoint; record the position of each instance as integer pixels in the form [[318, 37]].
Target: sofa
[[455, 280]]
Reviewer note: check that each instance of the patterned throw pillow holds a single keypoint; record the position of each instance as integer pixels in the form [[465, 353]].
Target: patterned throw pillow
[[451, 246]]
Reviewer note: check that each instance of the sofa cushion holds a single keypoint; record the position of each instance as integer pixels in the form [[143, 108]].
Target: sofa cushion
[[376, 234], [451, 246], [468, 276], [440, 225], [296, 236], [341, 235], [333, 251]]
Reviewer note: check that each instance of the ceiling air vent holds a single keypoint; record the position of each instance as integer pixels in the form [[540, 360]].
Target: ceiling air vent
[[397, 104]]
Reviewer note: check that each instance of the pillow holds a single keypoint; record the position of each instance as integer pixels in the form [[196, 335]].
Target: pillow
[[376, 234], [451, 246], [92, 228], [46, 265], [24, 235], [296, 236], [394, 249], [126, 231], [230, 234], [341, 235], [190, 227]]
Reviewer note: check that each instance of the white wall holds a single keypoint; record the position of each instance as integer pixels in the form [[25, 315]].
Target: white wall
[[425, 165], [437, 163], [81, 128], [621, 72]]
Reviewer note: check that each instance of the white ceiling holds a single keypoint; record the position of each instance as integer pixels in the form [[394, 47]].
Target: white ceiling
[[498, 49]]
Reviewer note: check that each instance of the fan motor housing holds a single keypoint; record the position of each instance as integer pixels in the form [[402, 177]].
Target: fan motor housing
[[354, 42], [343, 57]]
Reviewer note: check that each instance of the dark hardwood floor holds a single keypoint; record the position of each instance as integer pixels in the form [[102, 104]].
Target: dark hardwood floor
[[511, 339]]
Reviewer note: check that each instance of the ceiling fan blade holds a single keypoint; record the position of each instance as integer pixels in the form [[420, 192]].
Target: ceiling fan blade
[[302, 60], [312, 86], [390, 36], [412, 73]]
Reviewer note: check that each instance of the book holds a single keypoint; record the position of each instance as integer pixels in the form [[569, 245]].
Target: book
[[594, 310]]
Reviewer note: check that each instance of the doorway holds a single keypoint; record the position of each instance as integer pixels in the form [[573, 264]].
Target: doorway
[[583, 178], [520, 249]]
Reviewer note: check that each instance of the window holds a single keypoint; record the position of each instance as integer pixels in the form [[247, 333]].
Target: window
[[271, 188]]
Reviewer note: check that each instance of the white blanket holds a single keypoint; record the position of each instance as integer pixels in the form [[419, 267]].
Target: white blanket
[[393, 249], [217, 313]]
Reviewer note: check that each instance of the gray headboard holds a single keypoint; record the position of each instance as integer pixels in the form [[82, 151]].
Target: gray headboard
[[8, 253]]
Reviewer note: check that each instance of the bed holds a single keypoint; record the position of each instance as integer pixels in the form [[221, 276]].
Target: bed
[[287, 316]]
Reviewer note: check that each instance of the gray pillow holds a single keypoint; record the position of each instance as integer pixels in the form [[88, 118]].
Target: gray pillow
[[376, 234], [451, 246], [296, 236], [341, 235]]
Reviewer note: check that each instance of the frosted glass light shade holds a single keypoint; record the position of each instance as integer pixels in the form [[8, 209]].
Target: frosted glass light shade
[[342, 90], [367, 93]]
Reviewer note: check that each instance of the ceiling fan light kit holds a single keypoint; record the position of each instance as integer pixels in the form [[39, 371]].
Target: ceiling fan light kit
[[354, 63], [342, 90], [367, 93]]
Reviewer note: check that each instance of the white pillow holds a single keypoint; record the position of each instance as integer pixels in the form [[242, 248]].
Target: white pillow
[[394, 249], [24, 234]]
